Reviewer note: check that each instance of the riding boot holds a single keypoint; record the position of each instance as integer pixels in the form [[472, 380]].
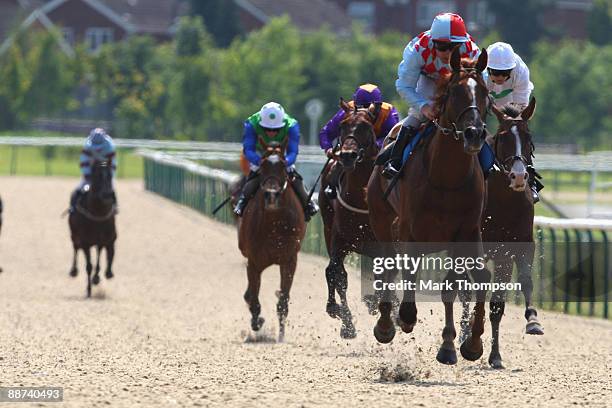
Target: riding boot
[[394, 165], [248, 191], [534, 182], [310, 207], [334, 175]]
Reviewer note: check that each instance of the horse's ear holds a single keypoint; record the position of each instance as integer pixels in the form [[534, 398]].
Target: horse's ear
[[500, 115], [529, 110], [344, 106], [455, 61], [483, 59]]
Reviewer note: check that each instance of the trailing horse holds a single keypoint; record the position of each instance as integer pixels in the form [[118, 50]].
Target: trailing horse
[[92, 223], [270, 232], [345, 219], [439, 199], [508, 217]]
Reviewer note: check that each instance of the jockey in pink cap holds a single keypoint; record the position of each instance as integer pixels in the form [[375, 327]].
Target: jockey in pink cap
[[425, 59]]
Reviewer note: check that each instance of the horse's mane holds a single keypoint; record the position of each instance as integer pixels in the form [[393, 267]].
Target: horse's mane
[[511, 111], [444, 80]]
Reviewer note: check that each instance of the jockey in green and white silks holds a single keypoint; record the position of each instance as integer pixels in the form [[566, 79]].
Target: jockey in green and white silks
[[507, 77], [272, 124]]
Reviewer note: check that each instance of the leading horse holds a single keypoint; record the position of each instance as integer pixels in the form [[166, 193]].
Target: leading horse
[[270, 232], [92, 223], [508, 217], [345, 219], [440, 199]]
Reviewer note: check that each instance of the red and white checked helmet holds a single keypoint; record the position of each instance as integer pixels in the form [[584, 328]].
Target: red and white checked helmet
[[448, 27]]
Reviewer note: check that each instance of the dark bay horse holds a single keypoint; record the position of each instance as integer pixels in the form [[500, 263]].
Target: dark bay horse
[[92, 224], [346, 220], [439, 199], [508, 217], [270, 232]]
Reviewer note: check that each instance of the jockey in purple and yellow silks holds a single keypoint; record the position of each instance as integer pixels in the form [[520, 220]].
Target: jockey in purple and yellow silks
[[272, 124], [387, 118]]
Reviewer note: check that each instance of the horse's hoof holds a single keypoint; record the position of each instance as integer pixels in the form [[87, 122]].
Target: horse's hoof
[[384, 336], [333, 310], [406, 327], [469, 354], [534, 328], [348, 332], [447, 355], [108, 274], [495, 361], [74, 272], [95, 280], [257, 323]]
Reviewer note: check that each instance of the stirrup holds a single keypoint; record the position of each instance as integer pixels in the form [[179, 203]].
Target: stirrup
[[239, 208], [534, 194], [330, 192], [389, 171]]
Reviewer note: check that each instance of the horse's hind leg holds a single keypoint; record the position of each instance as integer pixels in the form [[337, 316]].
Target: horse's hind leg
[[524, 266], [331, 272], [251, 296], [447, 353], [110, 255], [74, 270], [287, 272], [347, 331], [96, 278], [89, 268]]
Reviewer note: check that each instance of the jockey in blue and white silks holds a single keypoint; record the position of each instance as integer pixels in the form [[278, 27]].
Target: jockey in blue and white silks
[[98, 146]]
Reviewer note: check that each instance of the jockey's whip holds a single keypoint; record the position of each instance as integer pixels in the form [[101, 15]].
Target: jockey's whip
[[220, 206]]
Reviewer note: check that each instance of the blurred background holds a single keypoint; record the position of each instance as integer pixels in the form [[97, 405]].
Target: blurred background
[[194, 70]]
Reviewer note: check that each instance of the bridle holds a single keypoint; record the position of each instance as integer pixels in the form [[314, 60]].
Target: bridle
[[361, 149], [506, 164], [458, 134]]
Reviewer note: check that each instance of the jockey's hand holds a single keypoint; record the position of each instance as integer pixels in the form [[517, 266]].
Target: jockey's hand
[[428, 111], [330, 153]]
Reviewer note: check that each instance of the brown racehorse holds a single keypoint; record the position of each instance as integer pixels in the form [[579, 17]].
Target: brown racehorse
[[508, 217], [270, 232], [346, 221], [92, 224], [440, 198]]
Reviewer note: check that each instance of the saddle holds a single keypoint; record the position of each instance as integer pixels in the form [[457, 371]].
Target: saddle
[[384, 156]]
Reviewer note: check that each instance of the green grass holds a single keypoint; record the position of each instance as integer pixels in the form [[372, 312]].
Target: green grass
[[60, 161]]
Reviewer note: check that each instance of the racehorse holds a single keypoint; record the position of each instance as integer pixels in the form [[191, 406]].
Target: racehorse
[[92, 223], [270, 232], [440, 198], [346, 221], [508, 217]]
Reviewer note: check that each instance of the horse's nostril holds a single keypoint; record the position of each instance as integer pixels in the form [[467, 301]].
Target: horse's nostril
[[512, 176]]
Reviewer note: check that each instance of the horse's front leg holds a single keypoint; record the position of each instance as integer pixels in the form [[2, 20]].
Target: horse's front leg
[[503, 274], [347, 331], [524, 264], [251, 296], [287, 272], [96, 278], [447, 353], [110, 255], [89, 268], [74, 270], [331, 273]]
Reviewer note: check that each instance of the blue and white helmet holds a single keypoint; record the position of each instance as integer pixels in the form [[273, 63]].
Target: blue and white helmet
[[97, 136], [99, 144]]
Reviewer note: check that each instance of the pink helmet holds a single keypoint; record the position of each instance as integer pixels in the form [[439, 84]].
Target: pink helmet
[[448, 27]]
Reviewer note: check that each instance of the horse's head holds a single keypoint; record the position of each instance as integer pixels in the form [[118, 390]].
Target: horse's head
[[464, 101], [357, 137], [273, 175], [101, 187], [513, 144]]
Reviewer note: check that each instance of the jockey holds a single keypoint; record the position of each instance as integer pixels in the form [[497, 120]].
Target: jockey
[[272, 124], [98, 146], [362, 98], [507, 78], [425, 59]]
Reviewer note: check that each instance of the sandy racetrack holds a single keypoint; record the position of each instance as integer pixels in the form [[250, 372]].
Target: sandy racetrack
[[170, 329]]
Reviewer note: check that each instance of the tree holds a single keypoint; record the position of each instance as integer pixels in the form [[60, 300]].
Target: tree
[[220, 18], [191, 37], [14, 85], [599, 24]]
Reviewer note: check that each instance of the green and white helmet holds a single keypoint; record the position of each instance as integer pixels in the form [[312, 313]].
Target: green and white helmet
[[272, 116]]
